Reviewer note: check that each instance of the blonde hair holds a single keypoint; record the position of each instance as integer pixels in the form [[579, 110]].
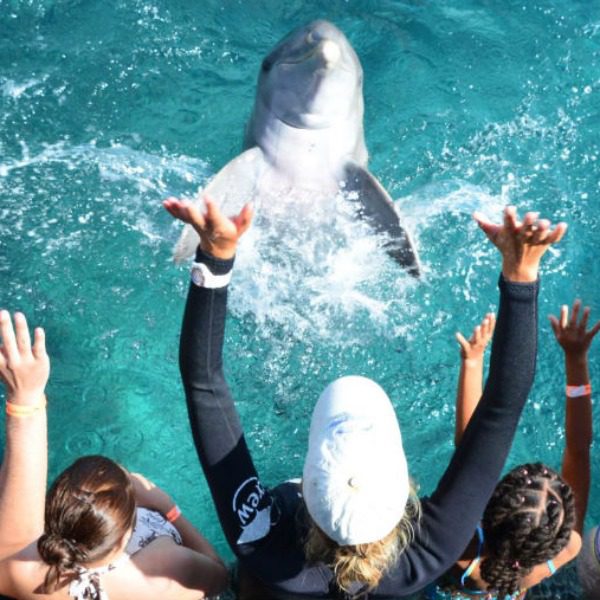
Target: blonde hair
[[364, 563]]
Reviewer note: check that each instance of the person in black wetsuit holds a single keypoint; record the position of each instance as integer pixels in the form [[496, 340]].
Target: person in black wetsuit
[[265, 528]]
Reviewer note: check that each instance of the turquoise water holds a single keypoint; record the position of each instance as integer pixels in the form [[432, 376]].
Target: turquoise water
[[107, 107]]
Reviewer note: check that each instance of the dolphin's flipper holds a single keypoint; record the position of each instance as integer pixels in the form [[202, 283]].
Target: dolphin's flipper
[[234, 185], [377, 207]]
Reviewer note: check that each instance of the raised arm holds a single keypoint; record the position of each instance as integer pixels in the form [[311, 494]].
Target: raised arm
[[24, 370], [470, 378], [242, 503], [450, 515], [575, 340]]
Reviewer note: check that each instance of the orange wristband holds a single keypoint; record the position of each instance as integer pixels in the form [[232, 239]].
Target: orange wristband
[[577, 391], [173, 514], [25, 410]]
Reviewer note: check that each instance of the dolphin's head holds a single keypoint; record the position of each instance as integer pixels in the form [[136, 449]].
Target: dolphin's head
[[312, 78]]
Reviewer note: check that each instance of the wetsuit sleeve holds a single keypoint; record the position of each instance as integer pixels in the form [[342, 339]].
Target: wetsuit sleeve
[[239, 498], [451, 514]]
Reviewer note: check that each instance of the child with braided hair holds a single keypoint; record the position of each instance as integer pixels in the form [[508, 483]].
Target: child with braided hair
[[533, 522]]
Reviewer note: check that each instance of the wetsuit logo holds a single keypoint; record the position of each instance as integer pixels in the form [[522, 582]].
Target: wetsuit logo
[[252, 506]]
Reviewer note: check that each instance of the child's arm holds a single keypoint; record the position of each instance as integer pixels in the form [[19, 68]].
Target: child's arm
[[575, 342], [24, 370], [470, 379], [149, 495]]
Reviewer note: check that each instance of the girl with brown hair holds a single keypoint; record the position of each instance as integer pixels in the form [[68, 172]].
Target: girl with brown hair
[[100, 532]]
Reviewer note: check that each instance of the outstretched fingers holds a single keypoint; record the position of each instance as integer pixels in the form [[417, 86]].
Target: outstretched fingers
[[575, 314], [22, 334], [39, 343], [463, 342], [9, 341], [490, 229], [510, 218], [540, 232], [243, 220], [529, 221], [185, 211], [489, 324], [593, 331], [554, 236]]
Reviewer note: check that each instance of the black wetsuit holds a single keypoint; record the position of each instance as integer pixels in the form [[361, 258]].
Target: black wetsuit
[[265, 527]]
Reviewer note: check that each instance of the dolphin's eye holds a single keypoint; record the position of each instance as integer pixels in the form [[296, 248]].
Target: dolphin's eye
[[266, 65]]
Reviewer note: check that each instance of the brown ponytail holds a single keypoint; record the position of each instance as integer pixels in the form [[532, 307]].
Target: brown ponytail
[[89, 509]]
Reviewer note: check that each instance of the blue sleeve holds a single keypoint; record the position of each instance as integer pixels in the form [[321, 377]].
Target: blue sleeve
[[242, 503], [451, 514], [269, 542]]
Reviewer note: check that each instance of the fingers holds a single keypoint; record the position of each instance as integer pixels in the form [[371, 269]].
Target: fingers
[[490, 229], [564, 316], [510, 218], [195, 217], [176, 208], [557, 234], [584, 319], [489, 323], [22, 334], [529, 221], [476, 335], [460, 338], [9, 341], [593, 331], [185, 211], [540, 232], [555, 325], [213, 214], [244, 219], [172, 205], [39, 343], [575, 313]]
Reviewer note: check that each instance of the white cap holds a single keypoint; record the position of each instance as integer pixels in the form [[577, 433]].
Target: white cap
[[355, 482], [588, 565]]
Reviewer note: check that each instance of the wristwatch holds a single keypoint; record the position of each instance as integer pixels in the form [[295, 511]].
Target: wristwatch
[[203, 277]]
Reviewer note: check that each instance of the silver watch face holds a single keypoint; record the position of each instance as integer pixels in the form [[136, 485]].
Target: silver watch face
[[198, 276]]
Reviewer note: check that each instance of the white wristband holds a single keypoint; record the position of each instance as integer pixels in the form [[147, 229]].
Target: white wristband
[[203, 277], [577, 391]]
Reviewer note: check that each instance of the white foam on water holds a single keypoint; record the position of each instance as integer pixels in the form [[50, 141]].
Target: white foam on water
[[116, 162], [120, 184], [15, 89]]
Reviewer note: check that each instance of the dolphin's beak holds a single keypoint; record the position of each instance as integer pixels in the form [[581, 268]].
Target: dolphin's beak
[[331, 52], [327, 52]]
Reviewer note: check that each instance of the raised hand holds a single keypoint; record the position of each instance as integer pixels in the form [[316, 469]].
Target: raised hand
[[473, 348], [219, 234], [572, 335], [24, 368], [522, 244]]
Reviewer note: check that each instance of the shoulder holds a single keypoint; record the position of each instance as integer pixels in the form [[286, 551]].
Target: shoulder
[[168, 570], [22, 572], [543, 570]]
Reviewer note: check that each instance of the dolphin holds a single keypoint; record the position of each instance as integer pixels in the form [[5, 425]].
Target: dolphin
[[306, 137]]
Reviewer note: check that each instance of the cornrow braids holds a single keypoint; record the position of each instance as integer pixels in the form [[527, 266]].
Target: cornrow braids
[[527, 521]]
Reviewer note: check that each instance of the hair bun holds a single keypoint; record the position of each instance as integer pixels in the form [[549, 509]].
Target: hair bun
[[57, 550]]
